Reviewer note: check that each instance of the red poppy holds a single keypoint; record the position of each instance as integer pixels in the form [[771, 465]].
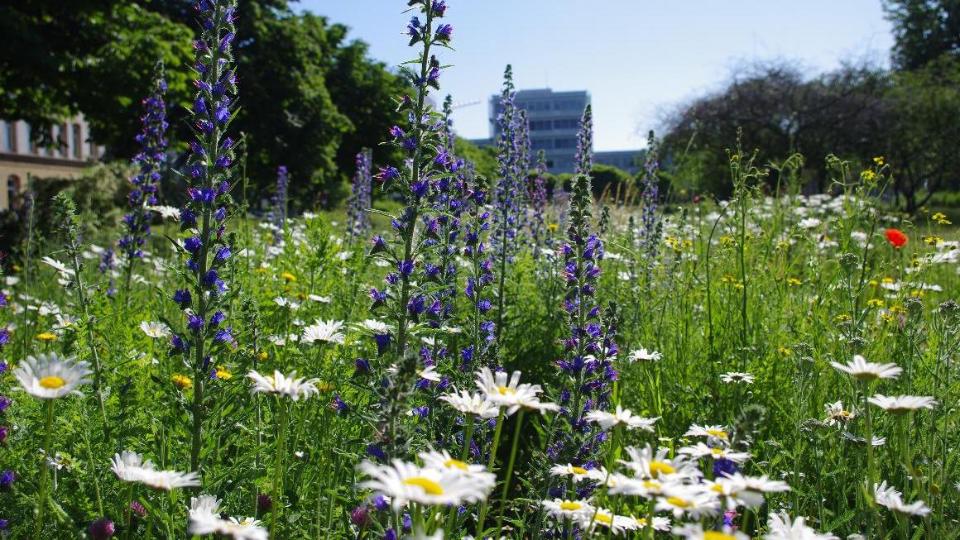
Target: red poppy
[[897, 238]]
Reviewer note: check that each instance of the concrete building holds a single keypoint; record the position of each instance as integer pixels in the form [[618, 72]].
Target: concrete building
[[554, 122], [21, 156]]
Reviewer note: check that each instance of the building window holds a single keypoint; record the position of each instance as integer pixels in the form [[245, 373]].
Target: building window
[[540, 125], [77, 141], [13, 189], [565, 143], [566, 123]]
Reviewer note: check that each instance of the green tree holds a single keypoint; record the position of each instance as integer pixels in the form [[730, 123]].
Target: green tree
[[924, 30]]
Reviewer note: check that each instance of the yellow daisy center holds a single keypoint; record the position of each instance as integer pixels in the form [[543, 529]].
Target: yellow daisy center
[[52, 382], [580, 471], [718, 433], [717, 488], [506, 390], [716, 535], [427, 485], [653, 486], [678, 502], [717, 451], [606, 519], [570, 506], [456, 464], [658, 467]]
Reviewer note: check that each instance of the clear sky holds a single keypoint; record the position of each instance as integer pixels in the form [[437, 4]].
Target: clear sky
[[637, 58]]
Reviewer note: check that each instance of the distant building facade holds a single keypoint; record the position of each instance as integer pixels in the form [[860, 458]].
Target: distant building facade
[[554, 122], [21, 156]]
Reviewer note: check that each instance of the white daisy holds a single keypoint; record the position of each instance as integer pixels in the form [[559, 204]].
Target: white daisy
[[862, 370], [902, 404], [130, 467], [576, 473], [60, 267], [837, 415], [892, 499], [701, 450], [374, 326], [608, 520], [443, 460], [510, 393], [475, 404], [429, 373], [329, 331], [286, 303], [155, 329], [748, 490], [47, 376], [320, 299], [643, 355], [564, 509], [781, 527], [647, 464], [736, 377], [205, 519], [166, 212], [406, 482], [621, 416], [695, 532], [283, 385], [715, 432], [691, 501]]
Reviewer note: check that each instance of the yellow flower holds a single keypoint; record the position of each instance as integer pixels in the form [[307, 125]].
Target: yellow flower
[[784, 351], [793, 281], [552, 227], [887, 280], [868, 176], [875, 302], [287, 276], [324, 386], [932, 240], [878, 160], [47, 336], [941, 219], [224, 373], [182, 381], [842, 318], [262, 355]]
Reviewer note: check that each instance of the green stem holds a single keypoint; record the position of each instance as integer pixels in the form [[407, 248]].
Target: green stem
[[278, 470], [509, 475], [490, 463], [44, 472]]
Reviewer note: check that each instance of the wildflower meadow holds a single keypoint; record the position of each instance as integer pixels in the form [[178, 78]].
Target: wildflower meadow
[[458, 355]]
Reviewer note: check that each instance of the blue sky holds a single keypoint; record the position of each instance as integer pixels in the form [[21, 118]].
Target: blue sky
[[637, 58]]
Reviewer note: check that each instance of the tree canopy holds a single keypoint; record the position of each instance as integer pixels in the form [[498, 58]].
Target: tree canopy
[[311, 97]]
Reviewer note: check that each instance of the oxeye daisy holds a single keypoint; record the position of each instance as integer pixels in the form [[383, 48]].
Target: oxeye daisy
[[155, 329], [836, 414], [736, 377], [781, 527], [406, 482], [696, 532], [576, 473], [621, 417], [429, 373], [659, 523], [902, 404], [328, 331], [564, 509], [131, 467], [701, 450], [691, 501], [647, 464], [47, 376], [716, 432], [205, 519], [283, 385], [643, 355], [475, 404], [747, 490], [444, 461], [862, 370], [608, 520], [892, 499], [509, 393]]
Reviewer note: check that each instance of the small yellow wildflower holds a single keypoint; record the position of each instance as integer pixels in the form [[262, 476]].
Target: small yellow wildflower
[[47, 336], [223, 373], [784, 351], [181, 381], [941, 219], [553, 227], [868, 176], [842, 318], [932, 240], [879, 161], [287, 276], [262, 355], [324, 386], [875, 302], [793, 282]]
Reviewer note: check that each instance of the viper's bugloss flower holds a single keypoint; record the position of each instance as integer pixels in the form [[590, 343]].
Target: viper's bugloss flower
[[278, 214], [150, 162], [7, 478], [360, 202]]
